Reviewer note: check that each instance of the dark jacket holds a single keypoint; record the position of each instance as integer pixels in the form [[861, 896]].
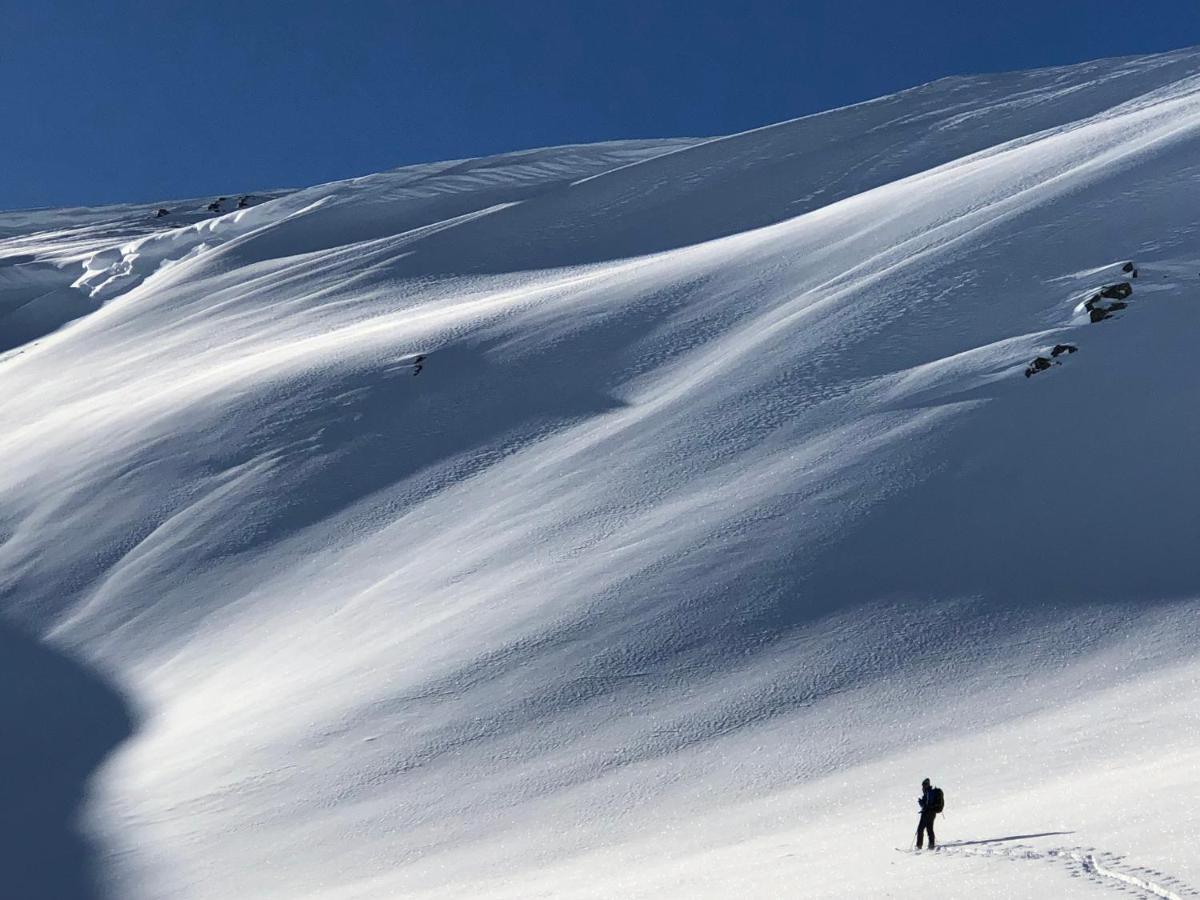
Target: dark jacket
[[926, 801]]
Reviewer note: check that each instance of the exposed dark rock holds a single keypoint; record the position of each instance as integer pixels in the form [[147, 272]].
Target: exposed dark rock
[[161, 213], [1128, 267], [1097, 311], [1039, 364], [215, 206], [244, 201], [1060, 349]]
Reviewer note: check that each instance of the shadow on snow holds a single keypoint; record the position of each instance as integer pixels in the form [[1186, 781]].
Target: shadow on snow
[[60, 722]]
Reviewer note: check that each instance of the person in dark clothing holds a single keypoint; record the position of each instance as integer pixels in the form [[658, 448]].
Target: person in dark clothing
[[927, 814]]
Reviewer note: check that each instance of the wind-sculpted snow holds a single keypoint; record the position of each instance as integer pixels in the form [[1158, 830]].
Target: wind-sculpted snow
[[716, 513]]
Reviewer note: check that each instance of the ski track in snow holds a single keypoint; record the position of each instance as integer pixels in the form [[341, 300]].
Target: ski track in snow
[[1105, 869]]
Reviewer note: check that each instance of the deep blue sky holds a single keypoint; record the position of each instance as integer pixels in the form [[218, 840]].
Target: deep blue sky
[[108, 100]]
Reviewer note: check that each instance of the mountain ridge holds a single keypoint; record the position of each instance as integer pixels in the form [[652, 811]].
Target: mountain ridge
[[720, 471]]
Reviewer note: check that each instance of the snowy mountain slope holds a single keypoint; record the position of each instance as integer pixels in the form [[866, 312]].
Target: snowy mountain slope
[[720, 513]]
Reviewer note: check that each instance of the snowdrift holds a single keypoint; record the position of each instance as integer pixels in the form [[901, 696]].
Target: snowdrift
[[638, 519]]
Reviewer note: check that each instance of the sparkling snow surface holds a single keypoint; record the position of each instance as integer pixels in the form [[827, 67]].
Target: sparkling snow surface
[[719, 515]]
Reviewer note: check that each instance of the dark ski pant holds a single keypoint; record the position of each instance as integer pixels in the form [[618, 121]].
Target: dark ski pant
[[925, 825]]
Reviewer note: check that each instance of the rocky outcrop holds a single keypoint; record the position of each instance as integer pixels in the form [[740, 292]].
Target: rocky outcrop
[[1039, 364], [1100, 313], [1098, 310], [1116, 291]]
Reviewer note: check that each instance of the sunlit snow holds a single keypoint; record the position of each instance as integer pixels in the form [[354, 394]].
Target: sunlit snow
[[719, 514]]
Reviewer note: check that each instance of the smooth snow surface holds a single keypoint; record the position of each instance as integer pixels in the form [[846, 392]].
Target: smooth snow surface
[[720, 513]]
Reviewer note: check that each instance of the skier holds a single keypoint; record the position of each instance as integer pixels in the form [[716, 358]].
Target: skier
[[931, 803]]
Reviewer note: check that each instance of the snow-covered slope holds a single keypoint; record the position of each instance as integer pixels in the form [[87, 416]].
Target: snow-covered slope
[[719, 513]]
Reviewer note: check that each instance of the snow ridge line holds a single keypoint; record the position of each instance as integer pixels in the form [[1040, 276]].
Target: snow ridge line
[[114, 271], [1088, 860]]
